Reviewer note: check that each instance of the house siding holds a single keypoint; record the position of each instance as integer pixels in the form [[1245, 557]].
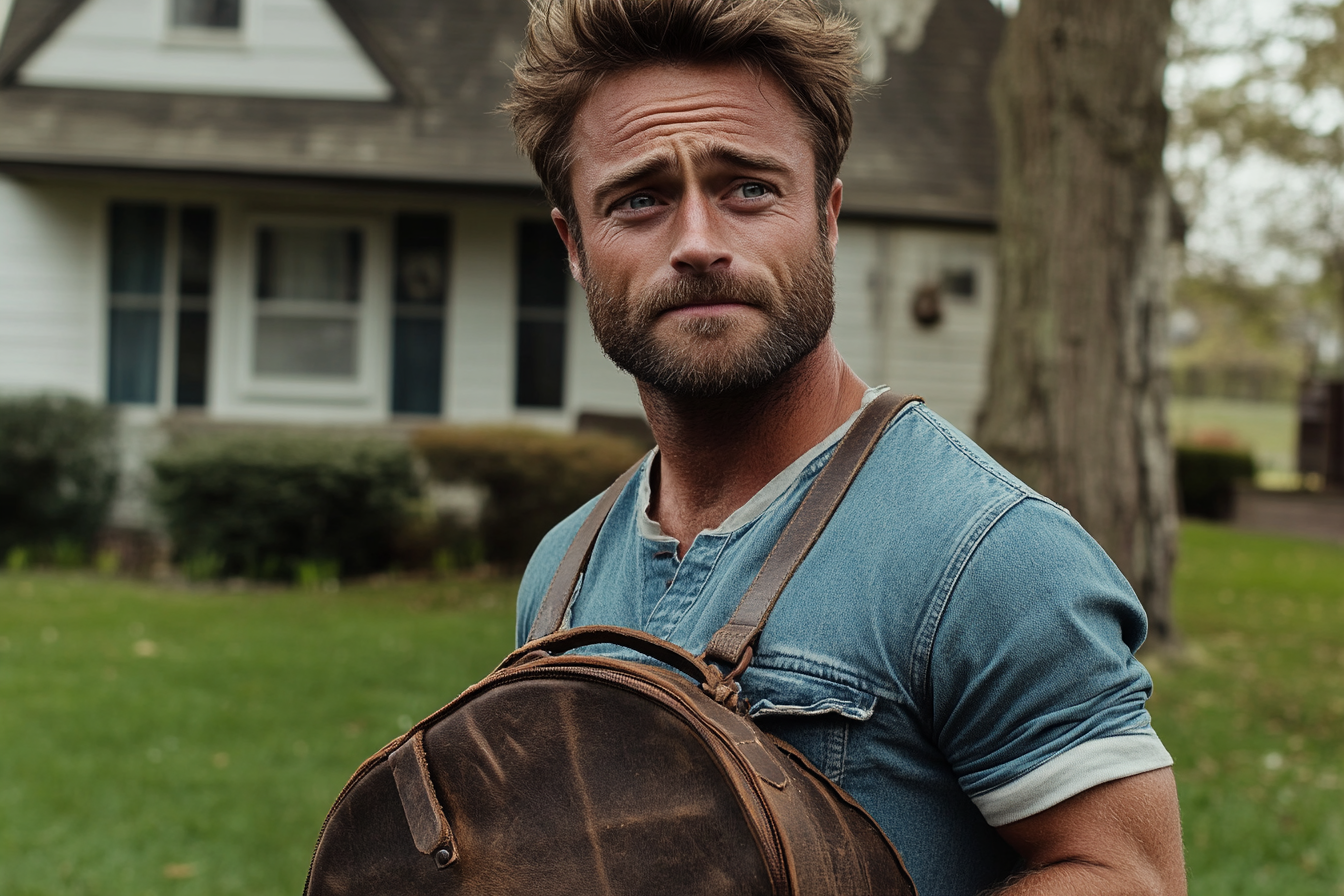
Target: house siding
[[53, 309], [51, 262], [289, 48]]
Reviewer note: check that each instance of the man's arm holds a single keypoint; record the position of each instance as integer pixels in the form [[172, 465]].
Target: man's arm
[[1121, 837]]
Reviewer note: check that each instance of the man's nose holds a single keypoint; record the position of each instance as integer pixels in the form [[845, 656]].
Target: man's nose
[[699, 242]]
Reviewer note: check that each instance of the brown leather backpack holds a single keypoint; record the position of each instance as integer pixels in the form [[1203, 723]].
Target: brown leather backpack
[[568, 774]]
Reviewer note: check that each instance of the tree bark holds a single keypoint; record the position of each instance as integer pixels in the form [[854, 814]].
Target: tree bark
[[1078, 377]]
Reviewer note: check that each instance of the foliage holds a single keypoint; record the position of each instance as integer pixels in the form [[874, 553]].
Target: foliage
[[204, 739], [535, 478], [1258, 141], [1242, 338], [1207, 478], [58, 476], [1254, 713], [272, 506]]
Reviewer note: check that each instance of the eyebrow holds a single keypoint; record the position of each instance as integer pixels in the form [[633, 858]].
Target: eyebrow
[[666, 160]]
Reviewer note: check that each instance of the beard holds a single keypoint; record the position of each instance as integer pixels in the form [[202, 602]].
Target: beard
[[721, 355]]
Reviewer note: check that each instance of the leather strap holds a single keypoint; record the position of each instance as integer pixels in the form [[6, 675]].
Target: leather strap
[[730, 643], [429, 825], [575, 561]]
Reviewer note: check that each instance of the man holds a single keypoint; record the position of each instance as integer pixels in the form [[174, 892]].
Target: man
[[955, 651]]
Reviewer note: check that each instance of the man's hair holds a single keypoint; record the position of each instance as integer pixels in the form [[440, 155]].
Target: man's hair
[[572, 44]]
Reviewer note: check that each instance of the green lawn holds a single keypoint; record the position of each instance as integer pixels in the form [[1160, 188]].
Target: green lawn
[[156, 740], [1254, 714], [164, 741]]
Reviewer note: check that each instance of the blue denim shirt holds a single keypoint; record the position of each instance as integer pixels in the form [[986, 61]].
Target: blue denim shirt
[[956, 652]]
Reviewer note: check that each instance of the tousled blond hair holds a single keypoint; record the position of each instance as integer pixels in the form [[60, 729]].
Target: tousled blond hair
[[572, 44]]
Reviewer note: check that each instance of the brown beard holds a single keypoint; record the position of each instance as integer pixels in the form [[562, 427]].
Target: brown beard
[[712, 356]]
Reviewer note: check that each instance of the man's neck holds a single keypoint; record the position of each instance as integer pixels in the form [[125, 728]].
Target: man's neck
[[714, 454]]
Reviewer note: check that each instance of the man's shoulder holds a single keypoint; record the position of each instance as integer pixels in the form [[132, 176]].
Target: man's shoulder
[[922, 453]]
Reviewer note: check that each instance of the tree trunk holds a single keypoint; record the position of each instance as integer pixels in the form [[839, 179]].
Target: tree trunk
[[1078, 378]]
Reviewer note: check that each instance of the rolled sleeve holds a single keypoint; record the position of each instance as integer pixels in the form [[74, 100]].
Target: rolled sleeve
[[1036, 692]]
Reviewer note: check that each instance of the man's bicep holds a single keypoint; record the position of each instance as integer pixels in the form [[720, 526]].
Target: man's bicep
[[1123, 836]]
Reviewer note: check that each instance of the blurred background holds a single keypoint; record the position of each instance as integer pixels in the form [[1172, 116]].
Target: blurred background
[[293, 377]]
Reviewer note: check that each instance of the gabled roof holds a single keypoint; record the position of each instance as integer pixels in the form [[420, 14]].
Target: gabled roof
[[923, 144]]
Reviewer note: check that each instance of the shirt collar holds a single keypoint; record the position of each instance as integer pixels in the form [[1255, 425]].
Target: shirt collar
[[758, 502]]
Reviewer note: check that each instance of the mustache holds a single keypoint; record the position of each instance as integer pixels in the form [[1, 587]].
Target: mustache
[[703, 289]]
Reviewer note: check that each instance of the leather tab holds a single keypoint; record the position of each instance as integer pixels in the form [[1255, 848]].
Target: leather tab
[[429, 826], [729, 643], [575, 561]]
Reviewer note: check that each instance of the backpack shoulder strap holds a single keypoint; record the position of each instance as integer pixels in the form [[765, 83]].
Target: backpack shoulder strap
[[575, 561], [730, 643]]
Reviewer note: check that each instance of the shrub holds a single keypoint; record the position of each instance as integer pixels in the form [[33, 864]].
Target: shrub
[[282, 506], [1207, 476], [58, 474], [534, 478]]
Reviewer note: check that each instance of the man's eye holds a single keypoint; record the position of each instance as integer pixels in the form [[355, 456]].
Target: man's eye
[[643, 200], [754, 191]]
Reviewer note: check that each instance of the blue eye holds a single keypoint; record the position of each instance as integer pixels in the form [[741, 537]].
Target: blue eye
[[753, 191], [643, 200]]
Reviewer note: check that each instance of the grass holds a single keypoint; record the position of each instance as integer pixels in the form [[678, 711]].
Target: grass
[[1254, 713], [160, 740], [165, 741]]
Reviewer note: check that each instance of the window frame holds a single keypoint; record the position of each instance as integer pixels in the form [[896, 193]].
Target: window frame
[[206, 35], [561, 314], [169, 303], [368, 313]]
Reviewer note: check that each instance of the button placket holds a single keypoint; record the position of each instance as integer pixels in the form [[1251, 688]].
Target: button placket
[[686, 585]]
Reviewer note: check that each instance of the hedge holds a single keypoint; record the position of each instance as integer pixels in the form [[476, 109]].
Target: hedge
[[58, 474], [284, 506], [1207, 479], [534, 478]]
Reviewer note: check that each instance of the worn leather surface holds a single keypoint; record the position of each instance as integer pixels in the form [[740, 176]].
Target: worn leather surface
[[424, 813], [568, 775], [555, 780]]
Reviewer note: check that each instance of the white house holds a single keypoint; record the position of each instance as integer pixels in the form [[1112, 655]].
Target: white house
[[307, 211]]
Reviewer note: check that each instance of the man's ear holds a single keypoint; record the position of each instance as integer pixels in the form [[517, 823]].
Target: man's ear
[[833, 214], [571, 244]]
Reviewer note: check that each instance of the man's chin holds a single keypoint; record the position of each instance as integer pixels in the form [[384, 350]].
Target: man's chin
[[705, 368]]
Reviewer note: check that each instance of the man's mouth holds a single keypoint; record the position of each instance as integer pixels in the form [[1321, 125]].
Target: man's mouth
[[706, 308]]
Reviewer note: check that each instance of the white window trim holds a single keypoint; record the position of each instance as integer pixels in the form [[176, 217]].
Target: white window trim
[[370, 315]]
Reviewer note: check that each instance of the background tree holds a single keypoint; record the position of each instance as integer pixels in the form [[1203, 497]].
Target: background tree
[[1076, 403], [1258, 147]]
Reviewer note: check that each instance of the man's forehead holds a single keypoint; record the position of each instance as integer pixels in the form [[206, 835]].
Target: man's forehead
[[665, 99], [663, 116]]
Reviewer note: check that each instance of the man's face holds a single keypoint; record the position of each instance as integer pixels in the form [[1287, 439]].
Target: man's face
[[706, 261]]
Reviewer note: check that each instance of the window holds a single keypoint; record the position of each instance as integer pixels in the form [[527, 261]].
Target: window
[[142, 248], [195, 280], [419, 290], [308, 285], [959, 282], [543, 288], [223, 15]]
